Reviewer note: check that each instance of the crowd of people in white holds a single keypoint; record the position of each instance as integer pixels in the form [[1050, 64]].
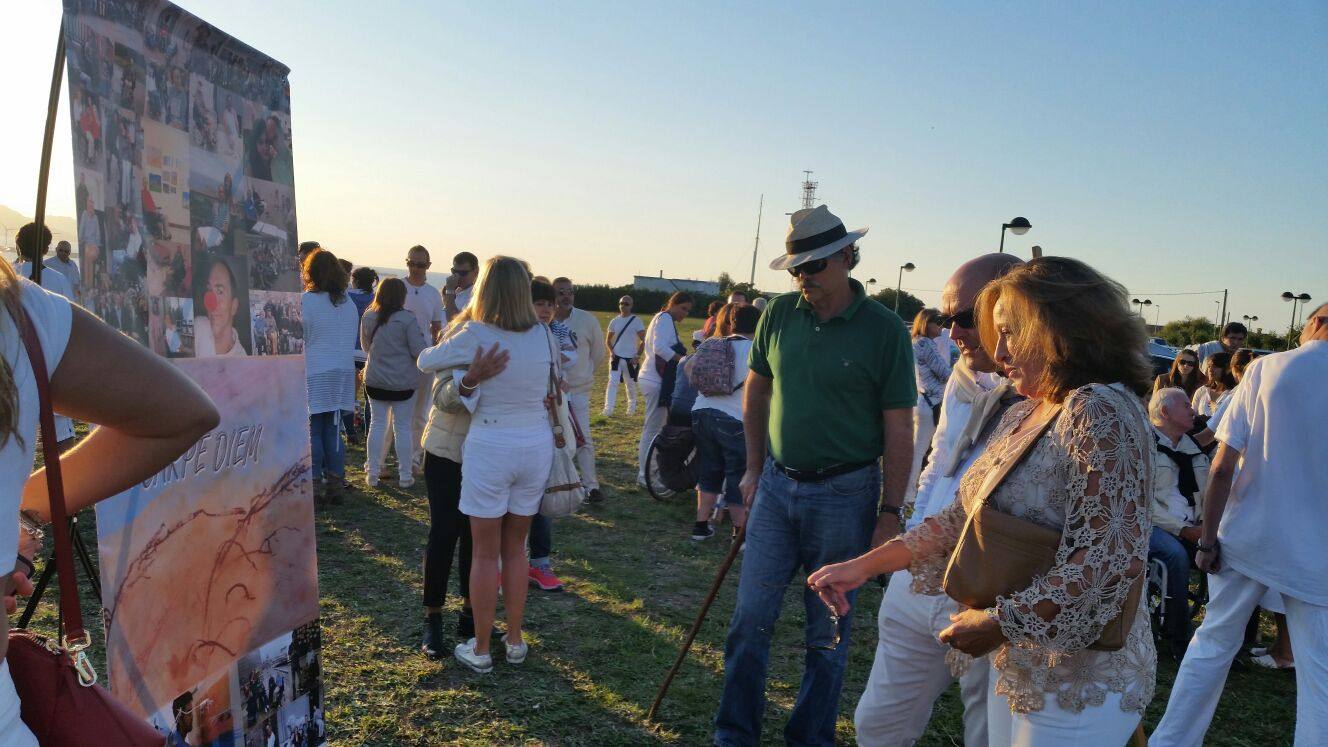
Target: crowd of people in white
[[844, 446]]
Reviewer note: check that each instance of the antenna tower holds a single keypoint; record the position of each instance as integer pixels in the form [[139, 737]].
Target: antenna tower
[[808, 191], [760, 208]]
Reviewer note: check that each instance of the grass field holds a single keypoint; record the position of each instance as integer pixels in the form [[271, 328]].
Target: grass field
[[599, 649]]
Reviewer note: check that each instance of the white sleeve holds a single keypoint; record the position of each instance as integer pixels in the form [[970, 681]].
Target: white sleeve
[[52, 317], [455, 350], [940, 442], [1238, 417], [472, 401]]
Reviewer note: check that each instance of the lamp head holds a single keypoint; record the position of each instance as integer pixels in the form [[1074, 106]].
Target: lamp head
[[1019, 226], [1303, 297], [1288, 296], [908, 267]]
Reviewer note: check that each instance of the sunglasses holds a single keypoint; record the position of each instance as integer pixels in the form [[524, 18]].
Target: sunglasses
[[409, 263], [1185, 364], [460, 272], [809, 268], [963, 319]]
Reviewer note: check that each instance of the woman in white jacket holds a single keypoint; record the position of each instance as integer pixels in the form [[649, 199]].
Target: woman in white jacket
[[509, 449]]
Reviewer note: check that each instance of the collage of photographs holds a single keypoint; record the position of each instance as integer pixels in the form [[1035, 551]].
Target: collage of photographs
[[270, 698], [184, 184]]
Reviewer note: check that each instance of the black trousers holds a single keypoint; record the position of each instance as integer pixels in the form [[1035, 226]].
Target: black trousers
[[447, 526]]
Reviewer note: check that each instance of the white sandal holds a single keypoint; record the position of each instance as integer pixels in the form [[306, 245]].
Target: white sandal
[[1268, 662]]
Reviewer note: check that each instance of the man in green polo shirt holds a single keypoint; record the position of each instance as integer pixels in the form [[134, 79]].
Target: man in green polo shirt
[[831, 387]]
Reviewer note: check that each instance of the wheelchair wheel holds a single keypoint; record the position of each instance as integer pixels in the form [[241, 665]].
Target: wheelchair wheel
[[655, 483]]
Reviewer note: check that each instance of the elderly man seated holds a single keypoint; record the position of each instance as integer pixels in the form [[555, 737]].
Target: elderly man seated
[[1180, 473]]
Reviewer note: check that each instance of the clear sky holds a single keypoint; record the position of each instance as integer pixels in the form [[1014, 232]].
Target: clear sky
[[1177, 146]]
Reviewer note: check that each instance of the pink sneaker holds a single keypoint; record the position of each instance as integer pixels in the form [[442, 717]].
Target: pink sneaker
[[544, 579]]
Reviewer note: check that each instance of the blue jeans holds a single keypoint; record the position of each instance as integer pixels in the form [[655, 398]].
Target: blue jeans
[[1176, 555], [793, 527], [721, 453], [541, 541], [329, 453]]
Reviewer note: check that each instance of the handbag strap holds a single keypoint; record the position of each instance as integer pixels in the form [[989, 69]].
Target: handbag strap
[[1005, 466], [75, 636], [552, 400]]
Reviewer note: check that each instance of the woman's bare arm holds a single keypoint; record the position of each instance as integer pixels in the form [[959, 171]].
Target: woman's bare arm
[[148, 411]]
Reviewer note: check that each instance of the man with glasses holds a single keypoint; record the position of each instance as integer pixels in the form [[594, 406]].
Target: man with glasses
[[588, 337], [910, 670], [426, 303], [624, 338], [460, 284], [830, 389], [1233, 339]]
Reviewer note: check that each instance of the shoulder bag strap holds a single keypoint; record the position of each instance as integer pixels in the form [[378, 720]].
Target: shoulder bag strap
[[70, 612], [554, 398], [1003, 469]]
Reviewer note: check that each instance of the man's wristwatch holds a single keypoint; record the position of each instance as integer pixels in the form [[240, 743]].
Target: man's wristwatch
[[1201, 547], [898, 511]]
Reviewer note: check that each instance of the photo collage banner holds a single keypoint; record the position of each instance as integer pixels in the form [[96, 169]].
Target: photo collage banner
[[187, 243]]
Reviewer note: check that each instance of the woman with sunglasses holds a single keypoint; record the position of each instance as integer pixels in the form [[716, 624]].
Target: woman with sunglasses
[[1082, 466], [1218, 383], [1184, 374]]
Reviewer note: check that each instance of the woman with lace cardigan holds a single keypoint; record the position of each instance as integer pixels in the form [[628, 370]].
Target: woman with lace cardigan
[[1066, 338]]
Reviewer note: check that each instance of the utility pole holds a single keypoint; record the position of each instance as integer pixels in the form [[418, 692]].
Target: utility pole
[[759, 210], [1222, 322]]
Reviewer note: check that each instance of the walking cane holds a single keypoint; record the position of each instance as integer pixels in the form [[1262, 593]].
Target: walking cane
[[700, 617]]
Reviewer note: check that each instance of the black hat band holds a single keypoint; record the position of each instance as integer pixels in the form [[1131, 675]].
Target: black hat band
[[825, 238]]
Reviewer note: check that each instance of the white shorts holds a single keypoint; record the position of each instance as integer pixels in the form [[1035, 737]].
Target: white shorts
[[504, 471]]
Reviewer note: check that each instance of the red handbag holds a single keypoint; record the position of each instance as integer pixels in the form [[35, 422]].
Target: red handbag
[[57, 686]]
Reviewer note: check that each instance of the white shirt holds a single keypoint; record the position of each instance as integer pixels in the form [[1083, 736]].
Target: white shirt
[[1273, 528], [661, 336], [330, 331], [206, 347], [513, 398], [935, 489], [462, 300], [68, 269], [624, 329], [1206, 349], [729, 404], [1166, 484], [588, 337], [1203, 401], [426, 303], [52, 280]]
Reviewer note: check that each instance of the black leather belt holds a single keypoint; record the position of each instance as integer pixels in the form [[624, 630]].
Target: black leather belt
[[825, 473]]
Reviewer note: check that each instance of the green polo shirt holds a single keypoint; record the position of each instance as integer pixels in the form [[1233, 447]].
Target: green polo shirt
[[832, 379]]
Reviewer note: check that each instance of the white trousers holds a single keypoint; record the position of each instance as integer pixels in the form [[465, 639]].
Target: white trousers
[[611, 392], [656, 417], [910, 673], [423, 400], [402, 419], [585, 456], [1232, 598], [13, 732], [1105, 725], [924, 427]]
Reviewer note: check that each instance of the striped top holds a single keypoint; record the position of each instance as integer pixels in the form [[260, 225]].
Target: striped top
[[330, 331]]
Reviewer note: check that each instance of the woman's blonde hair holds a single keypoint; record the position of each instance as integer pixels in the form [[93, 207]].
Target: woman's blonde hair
[[920, 322], [10, 289], [1074, 319], [502, 295]]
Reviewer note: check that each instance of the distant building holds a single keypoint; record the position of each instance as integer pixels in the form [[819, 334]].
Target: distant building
[[670, 285]]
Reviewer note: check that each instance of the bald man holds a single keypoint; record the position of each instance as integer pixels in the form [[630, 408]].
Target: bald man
[[910, 670]]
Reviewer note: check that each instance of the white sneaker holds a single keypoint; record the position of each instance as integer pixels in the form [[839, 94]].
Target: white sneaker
[[406, 483], [371, 480], [478, 663], [516, 654], [606, 413]]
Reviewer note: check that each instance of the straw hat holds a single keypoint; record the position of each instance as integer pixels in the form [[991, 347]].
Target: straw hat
[[814, 233]]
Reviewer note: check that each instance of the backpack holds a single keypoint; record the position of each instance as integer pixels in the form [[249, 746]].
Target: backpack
[[712, 367]]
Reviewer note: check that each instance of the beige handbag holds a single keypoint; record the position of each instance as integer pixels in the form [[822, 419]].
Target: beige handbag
[[999, 554], [563, 491]]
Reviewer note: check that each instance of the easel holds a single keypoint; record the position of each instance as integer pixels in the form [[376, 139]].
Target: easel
[[39, 218]]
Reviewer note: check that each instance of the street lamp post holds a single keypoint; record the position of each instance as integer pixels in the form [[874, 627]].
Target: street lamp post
[[1018, 226], [1294, 298], [1142, 304], [899, 287], [1157, 313]]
